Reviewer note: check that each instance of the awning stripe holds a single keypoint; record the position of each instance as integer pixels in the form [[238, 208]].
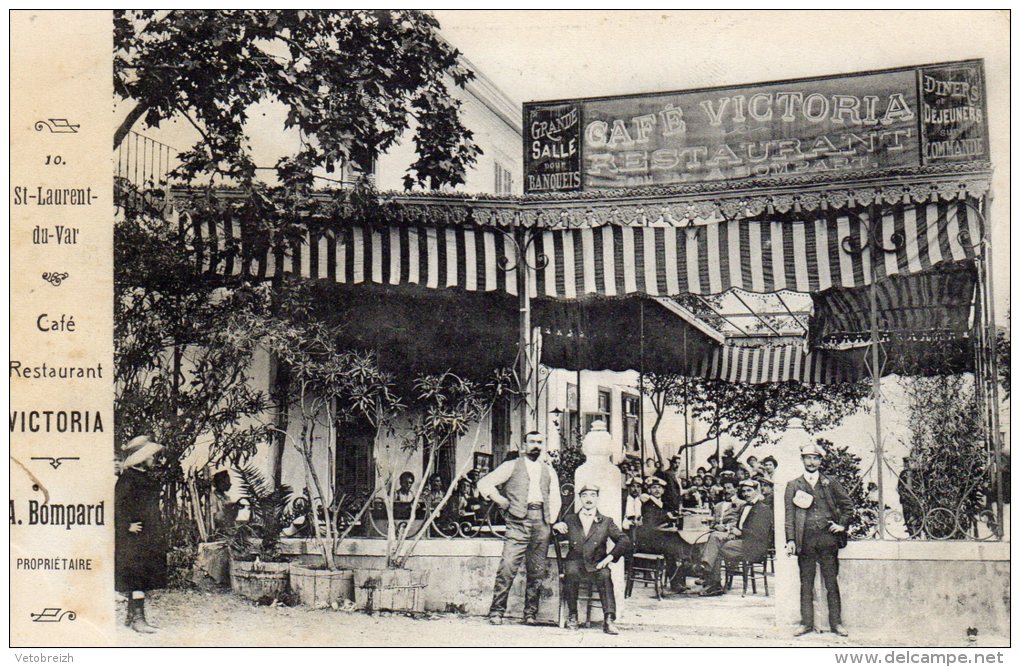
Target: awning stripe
[[757, 256]]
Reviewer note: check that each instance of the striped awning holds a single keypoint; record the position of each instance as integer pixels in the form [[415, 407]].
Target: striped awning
[[637, 333], [810, 253], [785, 363], [927, 306]]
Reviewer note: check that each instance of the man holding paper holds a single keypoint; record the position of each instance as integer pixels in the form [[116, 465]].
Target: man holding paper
[[818, 512]]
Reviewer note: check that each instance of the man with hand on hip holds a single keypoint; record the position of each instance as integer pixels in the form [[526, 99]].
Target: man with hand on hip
[[818, 512], [528, 491]]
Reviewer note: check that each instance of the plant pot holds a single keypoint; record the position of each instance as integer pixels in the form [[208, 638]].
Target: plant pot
[[390, 589], [212, 564], [256, 580], [320, 588]]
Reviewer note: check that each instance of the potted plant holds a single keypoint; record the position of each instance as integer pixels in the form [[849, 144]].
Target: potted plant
[[329, 387], [445, 407], [258, 571]]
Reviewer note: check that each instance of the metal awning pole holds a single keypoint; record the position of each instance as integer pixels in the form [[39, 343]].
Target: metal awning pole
[[876, 392], [525, 343], [641, 385], [993, 361]]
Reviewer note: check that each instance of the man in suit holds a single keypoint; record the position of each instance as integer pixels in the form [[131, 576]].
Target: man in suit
[[587, 559], [656, 534], [528, 491], [818, 511], [747, 540]]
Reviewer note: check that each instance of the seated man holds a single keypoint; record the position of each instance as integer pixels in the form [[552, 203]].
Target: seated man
[[587, 560], [632, 506], [656, 535], [748, 540], [727, 506], [405, 493]]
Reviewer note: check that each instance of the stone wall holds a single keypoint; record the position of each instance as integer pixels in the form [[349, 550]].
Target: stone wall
[[926, 589], [461, 573], [915, 589]]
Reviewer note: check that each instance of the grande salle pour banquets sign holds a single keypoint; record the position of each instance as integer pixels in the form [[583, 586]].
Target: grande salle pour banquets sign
[[906, 117]]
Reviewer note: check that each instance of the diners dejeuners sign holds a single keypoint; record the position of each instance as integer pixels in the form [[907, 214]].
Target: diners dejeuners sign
[[824, 126]]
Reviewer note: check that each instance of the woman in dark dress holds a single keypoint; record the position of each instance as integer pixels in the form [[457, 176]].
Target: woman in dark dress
[[141, 545]]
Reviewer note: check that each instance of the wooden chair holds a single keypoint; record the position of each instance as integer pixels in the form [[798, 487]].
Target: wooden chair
[[646, 569], [750, 572], [587, 593]]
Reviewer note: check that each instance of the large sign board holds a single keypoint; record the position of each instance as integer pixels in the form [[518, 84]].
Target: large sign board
[[905, 117]]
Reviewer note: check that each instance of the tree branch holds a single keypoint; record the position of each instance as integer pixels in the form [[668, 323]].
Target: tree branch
[[128, 123]]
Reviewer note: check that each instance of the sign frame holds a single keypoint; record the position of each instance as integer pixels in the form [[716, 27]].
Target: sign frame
[[918, 143]]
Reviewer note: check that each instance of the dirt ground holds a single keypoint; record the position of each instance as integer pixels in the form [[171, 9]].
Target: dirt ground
[[221, 619]]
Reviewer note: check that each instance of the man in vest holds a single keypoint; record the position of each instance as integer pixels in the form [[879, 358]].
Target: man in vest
[[818, 511], [528, 491]]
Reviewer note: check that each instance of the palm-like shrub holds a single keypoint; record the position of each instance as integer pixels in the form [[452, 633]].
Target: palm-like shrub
[[259, 538]]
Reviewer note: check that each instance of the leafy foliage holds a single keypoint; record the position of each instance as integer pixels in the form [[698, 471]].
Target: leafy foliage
[[1002, 353], [755, 414], [944, 483], [845, 467], [259, 538], [352, 81], [183, 345], [328, 386], [568, 458]]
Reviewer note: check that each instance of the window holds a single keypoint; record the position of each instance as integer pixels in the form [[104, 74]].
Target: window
[[355, 474], [631, 423], [604, 412], [504, 184], [570, 427], [500, 423]]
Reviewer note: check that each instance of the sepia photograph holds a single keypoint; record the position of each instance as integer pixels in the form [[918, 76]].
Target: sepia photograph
[[559, 328]]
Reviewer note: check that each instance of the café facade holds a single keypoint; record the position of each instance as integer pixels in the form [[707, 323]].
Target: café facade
[[867, 193]]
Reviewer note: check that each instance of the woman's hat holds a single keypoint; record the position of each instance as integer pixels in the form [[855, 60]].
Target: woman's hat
[[134, 443], [140, 449]]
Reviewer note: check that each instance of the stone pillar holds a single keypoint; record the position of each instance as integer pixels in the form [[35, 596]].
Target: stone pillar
[[599, 469]]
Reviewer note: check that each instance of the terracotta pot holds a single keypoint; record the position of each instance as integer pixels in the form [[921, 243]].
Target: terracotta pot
[[255, 580], [390, 589], [321, 588]]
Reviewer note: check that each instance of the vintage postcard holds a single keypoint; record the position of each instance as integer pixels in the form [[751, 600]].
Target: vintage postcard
[[337, 328]]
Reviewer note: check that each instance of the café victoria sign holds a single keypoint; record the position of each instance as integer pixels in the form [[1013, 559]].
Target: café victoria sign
[[883, 120]]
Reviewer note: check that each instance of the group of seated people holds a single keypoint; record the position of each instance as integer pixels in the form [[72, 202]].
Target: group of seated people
[[463, 504], [727, 508]]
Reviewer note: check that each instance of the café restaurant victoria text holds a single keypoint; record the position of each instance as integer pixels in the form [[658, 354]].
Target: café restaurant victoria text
[[858, 122]]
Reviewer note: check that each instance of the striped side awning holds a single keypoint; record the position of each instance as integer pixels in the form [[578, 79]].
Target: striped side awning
[[932, 305], [812, 254], [783, 363]]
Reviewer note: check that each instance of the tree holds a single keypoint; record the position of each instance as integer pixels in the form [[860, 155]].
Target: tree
[[944, 486], [755, 414], [330, 386], [845, 467], [183, 344], [353, 82], [444, 407], [182, 347]]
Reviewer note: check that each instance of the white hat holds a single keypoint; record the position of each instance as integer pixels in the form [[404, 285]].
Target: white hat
[[812, 448], [138, 451], [134, 443], [588, 486]]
